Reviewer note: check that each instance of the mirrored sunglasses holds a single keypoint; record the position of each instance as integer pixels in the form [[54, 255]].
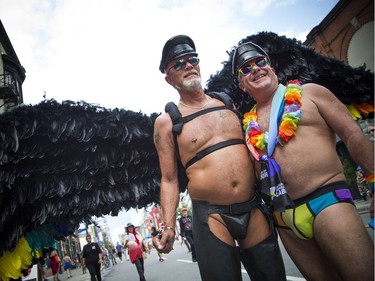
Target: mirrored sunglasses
[[181, 64], [245, 70]]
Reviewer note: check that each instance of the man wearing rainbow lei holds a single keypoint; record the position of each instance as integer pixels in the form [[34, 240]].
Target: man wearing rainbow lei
[[300, 172]]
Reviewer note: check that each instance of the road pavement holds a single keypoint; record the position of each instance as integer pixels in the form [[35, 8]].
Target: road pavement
[[178, 265]]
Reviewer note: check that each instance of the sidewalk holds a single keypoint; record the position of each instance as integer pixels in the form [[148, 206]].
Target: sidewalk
[[77, 275], [362, 206]]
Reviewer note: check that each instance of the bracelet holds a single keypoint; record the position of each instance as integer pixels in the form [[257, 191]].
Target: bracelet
[[169, 228]]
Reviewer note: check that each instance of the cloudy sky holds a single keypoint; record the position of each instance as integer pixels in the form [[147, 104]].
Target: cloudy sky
[[107, 52]]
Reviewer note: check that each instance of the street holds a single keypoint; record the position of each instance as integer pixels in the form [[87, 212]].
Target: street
[[178, 265]]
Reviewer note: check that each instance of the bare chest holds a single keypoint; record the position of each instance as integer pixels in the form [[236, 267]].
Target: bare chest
[[263, 119], [208, 129]]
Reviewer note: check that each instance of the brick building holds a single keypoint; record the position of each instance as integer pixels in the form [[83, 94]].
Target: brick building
[[347, 33]]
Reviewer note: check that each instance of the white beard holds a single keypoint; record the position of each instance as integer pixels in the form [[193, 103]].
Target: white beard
[[191, 84]]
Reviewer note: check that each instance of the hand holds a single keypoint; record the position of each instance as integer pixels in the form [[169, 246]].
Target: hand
[[100, 261], [164, 243]]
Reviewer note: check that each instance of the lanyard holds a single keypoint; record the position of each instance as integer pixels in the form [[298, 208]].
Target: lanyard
[[270, 176], [277, 109]]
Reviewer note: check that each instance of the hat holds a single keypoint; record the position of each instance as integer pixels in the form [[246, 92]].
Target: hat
[[246, 52], [174, 48], [130, 224]]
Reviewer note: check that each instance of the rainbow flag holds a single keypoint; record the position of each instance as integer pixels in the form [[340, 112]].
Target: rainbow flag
[[94, 233]]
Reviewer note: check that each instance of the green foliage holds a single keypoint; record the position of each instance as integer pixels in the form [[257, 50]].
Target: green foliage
[[350, 174]]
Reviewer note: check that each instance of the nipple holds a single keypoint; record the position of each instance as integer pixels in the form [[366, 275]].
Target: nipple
[[194, 140]]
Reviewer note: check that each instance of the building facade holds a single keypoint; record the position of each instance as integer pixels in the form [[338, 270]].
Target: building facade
[[12, 74], [347, 33]]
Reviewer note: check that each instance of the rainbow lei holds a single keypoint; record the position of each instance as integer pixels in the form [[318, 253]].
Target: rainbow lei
[[289, 120]]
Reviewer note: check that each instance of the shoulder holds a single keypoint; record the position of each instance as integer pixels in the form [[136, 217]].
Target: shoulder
[[163, 121], [315, 90], [163, 131], [321, 96]]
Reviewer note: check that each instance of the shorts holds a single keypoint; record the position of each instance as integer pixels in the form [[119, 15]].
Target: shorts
[[300, 218]]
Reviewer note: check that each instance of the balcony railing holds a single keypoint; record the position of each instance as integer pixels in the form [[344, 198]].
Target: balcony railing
[[8, 87]]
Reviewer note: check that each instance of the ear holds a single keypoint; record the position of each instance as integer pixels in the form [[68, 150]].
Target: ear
[[242, 86], [169, 80]]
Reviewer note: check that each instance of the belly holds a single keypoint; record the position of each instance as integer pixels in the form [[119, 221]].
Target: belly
[[132, 244], [223, 177]]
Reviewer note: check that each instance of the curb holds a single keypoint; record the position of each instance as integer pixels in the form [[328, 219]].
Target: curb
[[362, 206]]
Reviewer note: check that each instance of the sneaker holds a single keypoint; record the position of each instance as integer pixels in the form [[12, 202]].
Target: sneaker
[[161, 259], [194, 259]]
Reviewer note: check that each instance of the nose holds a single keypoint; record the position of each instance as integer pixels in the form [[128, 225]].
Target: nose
[[188, 65], [255, 69]]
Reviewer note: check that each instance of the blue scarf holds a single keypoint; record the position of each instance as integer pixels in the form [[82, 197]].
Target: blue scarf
[[270, 175]]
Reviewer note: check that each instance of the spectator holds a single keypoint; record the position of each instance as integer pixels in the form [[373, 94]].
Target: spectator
[[134, 244], [54, 264], [362, 185], [68, 263], [155, 232], [112, 254], [186, 231], [92, 258], [119, 251]]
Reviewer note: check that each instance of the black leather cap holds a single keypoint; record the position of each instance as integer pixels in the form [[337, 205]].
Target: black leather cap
[[246, 52], [176, 47]]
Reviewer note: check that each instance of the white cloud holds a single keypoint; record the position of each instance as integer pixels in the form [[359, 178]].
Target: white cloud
[[255, 8]]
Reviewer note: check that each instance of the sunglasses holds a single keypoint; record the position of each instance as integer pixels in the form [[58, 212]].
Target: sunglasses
[[246, 70], [181, 64]]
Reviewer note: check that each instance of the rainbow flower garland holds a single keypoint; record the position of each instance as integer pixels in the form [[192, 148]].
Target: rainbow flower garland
[[289, 121]]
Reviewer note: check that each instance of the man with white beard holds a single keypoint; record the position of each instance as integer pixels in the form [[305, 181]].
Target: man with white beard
[[203, 136]]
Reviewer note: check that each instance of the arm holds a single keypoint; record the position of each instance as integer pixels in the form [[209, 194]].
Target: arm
[[83, 258], [181, 228], [100, 254], [338, 118], [169, 192]]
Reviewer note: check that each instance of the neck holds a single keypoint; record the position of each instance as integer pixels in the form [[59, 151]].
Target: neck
[[264, 99], [198, 100]]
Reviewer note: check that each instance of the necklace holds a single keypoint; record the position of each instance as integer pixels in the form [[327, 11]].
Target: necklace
[[289, 120], [196, 107]]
